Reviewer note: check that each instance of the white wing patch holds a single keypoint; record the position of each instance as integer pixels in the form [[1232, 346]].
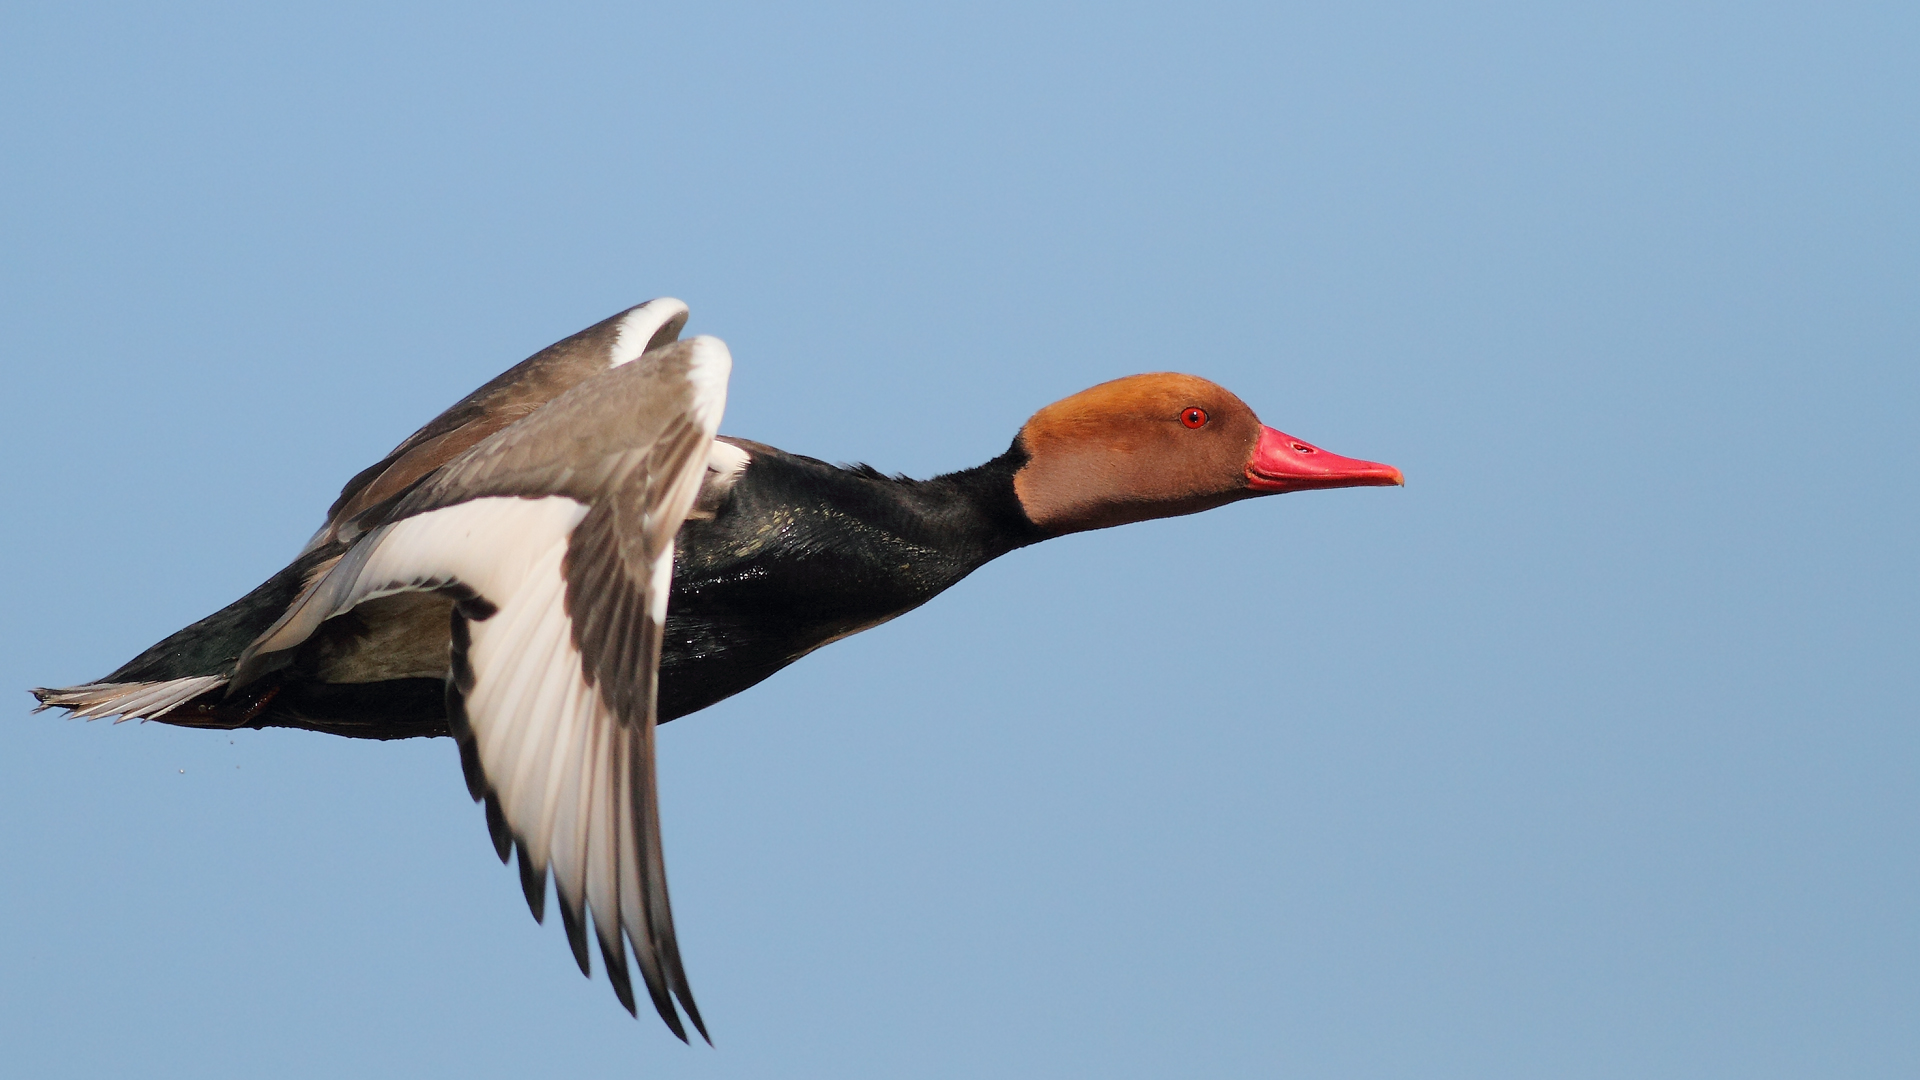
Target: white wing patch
[[490, 545], [639, 327], [708, 369], [486, 544], [545, 737], [726, 462]]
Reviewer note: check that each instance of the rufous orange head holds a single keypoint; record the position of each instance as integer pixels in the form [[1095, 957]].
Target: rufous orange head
[[1160, 445]]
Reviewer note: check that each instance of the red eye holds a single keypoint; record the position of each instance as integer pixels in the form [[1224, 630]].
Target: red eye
[[1194, 418]]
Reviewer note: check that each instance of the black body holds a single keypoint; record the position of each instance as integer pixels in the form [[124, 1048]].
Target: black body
[[804, 553], [797, 554]]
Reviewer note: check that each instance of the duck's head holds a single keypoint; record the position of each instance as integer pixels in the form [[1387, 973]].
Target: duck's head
[[1153, 446]]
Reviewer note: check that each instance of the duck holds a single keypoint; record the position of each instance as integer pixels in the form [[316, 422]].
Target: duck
[[572, 555]]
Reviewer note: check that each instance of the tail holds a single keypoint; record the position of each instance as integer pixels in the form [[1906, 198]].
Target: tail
[[127, 700], [191, 663]]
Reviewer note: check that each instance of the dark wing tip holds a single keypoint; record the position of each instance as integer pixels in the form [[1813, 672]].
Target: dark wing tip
[[685, 994], [614, 955], [459, 668], [472, 606], [470, 766], [673, 975], [663, 1005], [657, 992], [462, 729], [497, 828], [533, 882], [573, 920]]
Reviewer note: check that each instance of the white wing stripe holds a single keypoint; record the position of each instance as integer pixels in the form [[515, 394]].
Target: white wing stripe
[[511, 649], [534, 779], [603, 897], [537, 724], [527, 753], [487, 544], [567, 725], [661, 585], [517, 655], [527, 756], [571, 845]]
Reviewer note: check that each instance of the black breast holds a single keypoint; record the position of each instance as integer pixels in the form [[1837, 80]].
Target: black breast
[[803, 553]]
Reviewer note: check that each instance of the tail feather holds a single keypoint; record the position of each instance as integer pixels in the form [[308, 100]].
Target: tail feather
[[127, 700]]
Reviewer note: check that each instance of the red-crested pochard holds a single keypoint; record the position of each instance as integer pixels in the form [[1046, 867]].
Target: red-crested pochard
[[570, 556]]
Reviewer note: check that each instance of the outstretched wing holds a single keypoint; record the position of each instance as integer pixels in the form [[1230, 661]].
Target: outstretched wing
[[510, 396], [555, 538]]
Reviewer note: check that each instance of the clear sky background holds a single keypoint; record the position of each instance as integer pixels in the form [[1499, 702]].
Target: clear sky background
[[1591, 753]]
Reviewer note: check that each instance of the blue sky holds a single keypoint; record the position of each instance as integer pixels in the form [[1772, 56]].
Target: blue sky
[[1591, 753]]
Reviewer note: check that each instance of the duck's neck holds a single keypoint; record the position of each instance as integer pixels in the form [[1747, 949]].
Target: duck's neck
[[826, 544], [974, 515], [803, 553]]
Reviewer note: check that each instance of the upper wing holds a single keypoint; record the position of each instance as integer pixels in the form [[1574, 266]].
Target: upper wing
[[556, 539], [508, 397]]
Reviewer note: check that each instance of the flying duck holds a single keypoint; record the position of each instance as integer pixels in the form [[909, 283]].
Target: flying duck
[[571, 555]]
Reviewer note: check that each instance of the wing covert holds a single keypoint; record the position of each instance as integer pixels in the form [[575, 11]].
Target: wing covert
[[506, 398]]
